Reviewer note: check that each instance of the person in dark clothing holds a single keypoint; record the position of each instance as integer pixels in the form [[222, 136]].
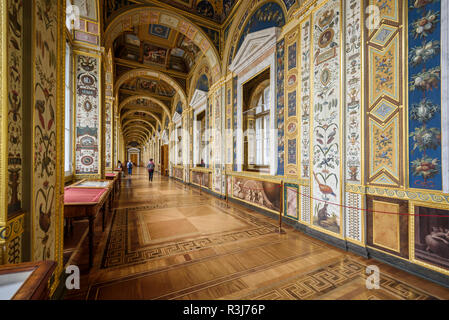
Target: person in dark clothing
[[150, 168]]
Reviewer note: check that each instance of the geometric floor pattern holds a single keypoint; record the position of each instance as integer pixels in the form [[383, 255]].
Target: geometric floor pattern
[[165, 240]]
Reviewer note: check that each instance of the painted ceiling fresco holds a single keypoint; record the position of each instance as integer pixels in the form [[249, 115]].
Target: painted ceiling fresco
[[153, 86], [267, 16], [161, 46], [216, 10]]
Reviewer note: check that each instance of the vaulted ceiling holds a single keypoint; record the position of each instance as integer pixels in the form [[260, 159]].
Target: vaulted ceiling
[[161, 49]]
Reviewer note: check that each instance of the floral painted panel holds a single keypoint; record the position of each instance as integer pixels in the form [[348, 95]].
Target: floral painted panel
[[280, 104], [353, 91], [326, 180], [15, 111], [87, 115], [424, 41], [108, 126], [45, 142], [305, 99]]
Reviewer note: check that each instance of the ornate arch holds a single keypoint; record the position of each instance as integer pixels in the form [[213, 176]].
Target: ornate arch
[[143, 97], [128, 121], [136, 137], [143, 15], [140, 129], [139, 126], [143, 72], [123, 117]]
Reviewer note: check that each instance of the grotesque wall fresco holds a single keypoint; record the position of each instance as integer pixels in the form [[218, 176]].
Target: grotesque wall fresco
[[353, 95], [424, 69], [87, 115], [108, 137], [15, 111], [45, 206], [326, 146], [305, 55]]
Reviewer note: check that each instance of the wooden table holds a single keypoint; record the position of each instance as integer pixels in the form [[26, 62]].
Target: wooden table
[[83, 202], [34, 285], [119, 173], [115, 177], [100, 184]]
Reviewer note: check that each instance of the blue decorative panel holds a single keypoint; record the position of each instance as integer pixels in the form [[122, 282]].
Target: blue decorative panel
[[280, 51], [292, 151], [292, 104], [203, 83], [159, 31], [424, 95], [289, 3], [179, 107], [267, 16], [292, 56]]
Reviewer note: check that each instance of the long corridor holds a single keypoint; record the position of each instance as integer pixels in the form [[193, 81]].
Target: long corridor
[[166, 240]]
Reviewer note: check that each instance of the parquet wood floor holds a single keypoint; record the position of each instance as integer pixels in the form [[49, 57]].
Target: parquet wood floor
[[167, 241]]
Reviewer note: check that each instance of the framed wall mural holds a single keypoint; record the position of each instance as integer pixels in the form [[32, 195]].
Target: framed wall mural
[[263, 194], [431, 242], [326, 122], [424, 69], [291, 201]]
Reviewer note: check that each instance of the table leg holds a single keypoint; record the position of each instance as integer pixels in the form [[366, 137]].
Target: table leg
[[104, 213], [91, 241]]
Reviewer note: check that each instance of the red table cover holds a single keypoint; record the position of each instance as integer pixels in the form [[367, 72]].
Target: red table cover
[[74, 195], [110, 174]]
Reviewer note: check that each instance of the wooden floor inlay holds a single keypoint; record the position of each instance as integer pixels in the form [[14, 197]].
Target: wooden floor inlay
[[168, 241]]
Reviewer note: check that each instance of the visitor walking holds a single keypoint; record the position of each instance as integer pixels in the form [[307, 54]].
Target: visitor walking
[[130, 167], [150, 167]]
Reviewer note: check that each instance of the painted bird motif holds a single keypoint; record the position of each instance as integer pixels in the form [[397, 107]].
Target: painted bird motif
[[325, 189]]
